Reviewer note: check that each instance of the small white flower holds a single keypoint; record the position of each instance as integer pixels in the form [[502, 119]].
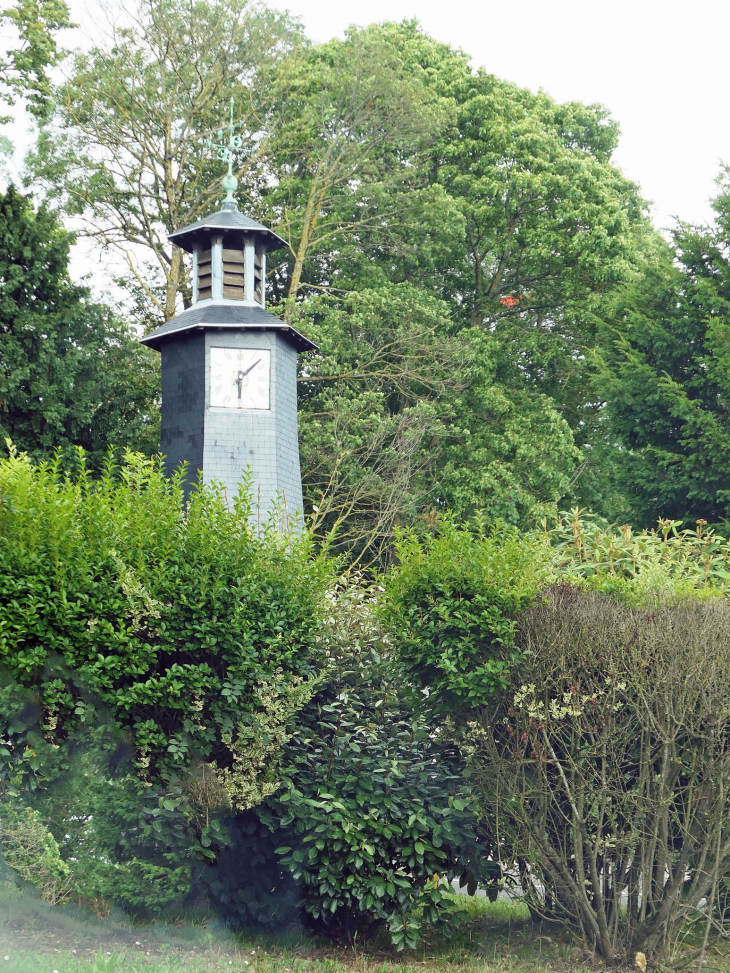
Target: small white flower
[[138, 944]]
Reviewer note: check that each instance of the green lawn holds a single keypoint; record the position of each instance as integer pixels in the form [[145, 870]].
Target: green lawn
[[497, 938], [38, 938]]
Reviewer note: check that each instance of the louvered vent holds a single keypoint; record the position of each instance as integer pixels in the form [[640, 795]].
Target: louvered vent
[[258, 278], [205, 279], [233, 274]]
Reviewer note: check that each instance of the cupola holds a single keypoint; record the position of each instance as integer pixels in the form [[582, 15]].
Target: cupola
[[229, 256]]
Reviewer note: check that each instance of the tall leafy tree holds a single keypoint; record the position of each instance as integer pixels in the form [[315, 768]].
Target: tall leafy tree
[[126, 152], [71, 373], [665, 378]]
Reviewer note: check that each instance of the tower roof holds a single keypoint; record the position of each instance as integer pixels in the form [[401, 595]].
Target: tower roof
[[229, 221], [211, 317]]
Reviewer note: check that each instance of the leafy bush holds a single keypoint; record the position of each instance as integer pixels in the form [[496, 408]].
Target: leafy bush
[[633, 566], [374, 817], [29, 848], [152, 655], [606, 765], [117, 603], [451, 602]]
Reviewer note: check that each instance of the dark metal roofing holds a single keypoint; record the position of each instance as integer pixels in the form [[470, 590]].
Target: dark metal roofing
[[229, 220], [213, 316]]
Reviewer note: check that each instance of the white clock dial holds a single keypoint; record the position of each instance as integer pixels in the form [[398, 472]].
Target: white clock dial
[[239, 378]]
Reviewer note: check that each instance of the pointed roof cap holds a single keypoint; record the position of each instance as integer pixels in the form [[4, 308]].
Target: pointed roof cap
[[229, 220]]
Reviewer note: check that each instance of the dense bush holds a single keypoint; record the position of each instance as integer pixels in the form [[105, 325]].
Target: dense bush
[[607, 767], [166, 671], [118, 604], [151, 658], [374, 818], [450, 606], [188, 708]]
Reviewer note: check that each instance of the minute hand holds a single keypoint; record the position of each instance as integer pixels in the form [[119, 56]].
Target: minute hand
[[250, 368]]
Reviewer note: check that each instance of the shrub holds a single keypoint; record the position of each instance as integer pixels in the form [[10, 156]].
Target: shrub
[[374, 818], [119, 603], [606, 764], [29, 848], [633, 566], [450, 607]]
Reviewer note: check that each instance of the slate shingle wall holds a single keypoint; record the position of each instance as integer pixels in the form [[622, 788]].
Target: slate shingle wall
[[183, 403]]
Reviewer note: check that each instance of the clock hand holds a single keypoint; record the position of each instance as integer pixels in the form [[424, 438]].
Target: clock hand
[[241, 375], [250, 368]]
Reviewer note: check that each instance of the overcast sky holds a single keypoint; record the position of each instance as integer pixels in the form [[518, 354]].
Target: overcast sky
[[661, 68]]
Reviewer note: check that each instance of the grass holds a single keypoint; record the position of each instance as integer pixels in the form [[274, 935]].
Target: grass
[[38, 938], [496, 938]]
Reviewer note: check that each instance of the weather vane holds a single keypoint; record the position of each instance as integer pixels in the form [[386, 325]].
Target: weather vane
[[226, 152]]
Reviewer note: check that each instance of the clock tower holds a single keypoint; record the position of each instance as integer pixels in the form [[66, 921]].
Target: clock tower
[[229, 367]]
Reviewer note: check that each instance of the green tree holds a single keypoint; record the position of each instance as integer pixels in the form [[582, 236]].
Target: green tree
[[23, 69], [549, 229], [665, 378], [71, 373], [519, 222], [125, 150]]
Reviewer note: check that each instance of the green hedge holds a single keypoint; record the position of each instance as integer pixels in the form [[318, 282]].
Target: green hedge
[[119, 605], [451, 603]]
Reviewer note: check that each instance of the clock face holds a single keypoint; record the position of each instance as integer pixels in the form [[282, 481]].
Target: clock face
[[239, 378]]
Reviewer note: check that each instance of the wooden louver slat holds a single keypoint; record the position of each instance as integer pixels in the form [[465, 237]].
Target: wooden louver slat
[[205, 279], [233, 274], [258, 278]]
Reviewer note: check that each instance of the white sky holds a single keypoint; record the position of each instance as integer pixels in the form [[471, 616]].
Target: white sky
[[659, 66]]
